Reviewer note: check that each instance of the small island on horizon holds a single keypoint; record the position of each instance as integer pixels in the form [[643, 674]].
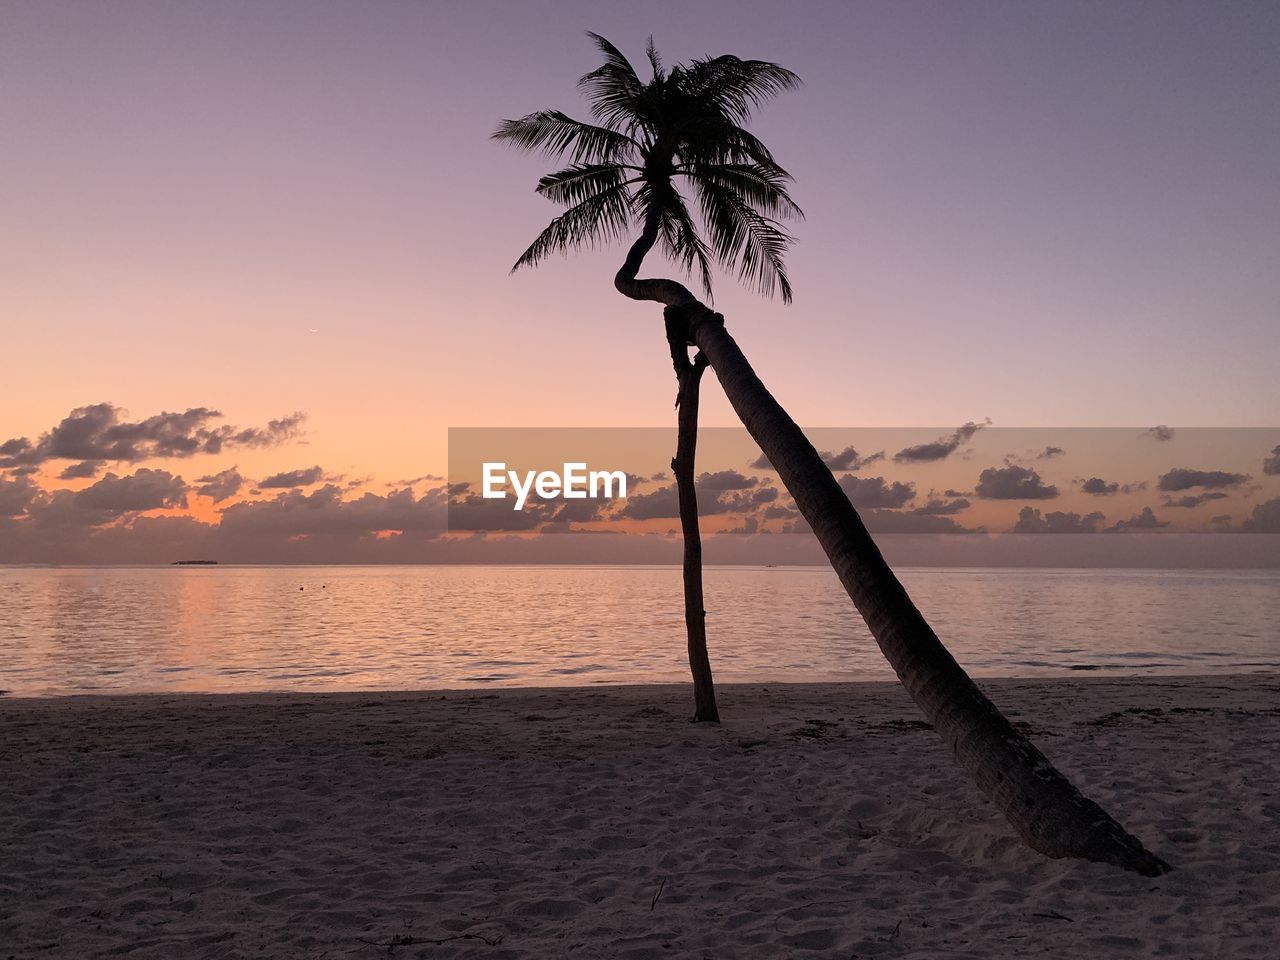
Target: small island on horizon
[[194, 563]]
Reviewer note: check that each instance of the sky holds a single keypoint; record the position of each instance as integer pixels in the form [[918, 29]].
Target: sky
[[1048, 215]]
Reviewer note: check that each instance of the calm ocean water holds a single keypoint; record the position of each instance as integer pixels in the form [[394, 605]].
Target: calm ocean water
[[141, 629]]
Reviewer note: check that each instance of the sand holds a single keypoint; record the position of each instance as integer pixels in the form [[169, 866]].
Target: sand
[[817, 821]]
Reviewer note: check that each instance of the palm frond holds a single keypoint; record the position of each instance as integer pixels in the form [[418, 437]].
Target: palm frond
[[581, 181], [613, 88], [600, 218], [655, 61], [762, 188], [717, 140], [738, 86], [745, 240], [680, 236], [557, 133]]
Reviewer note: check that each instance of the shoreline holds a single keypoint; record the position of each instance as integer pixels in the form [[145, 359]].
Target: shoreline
[[1077, 675], [1264, 565], [1080, 676], [821, 820]]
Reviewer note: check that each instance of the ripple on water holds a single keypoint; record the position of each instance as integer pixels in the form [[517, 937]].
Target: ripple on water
[[65, 630]]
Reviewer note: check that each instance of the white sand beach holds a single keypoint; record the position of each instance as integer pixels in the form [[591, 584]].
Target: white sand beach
[[817, 821]]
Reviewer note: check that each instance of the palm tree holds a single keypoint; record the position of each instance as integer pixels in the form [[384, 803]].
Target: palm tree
[[686, 125], [688, 386], [627, 165]]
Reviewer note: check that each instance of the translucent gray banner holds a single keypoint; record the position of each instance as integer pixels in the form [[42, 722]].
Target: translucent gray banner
[[975, 481]]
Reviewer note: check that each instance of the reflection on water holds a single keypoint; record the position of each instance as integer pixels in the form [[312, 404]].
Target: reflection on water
[[79, 630]]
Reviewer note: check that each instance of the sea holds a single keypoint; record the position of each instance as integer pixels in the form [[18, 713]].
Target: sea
[[224, 629]]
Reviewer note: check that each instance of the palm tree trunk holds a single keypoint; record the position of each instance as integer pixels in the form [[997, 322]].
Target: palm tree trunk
[[1044, 807], [689, 378]]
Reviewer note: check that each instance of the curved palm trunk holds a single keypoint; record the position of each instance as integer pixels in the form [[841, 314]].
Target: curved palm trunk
[[1041, 804], [689, 379]]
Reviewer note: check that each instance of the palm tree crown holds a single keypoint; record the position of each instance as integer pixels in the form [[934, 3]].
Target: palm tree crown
[[685, 127]]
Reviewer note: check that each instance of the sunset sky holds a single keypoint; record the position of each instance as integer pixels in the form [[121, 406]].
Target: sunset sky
[[1046, 215]]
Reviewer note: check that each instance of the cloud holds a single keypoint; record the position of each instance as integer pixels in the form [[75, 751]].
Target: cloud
[[1050, 452], [718, 494], [1190, 501], [926, 452], [100, 432], [1182, 478], [1098, 487], [713, 502], [323, 513], [425, 478], [896, 521], [764, 495], [880, 505], [846, 460], [1265, 518], [1030, 521], [1013, 483], [83, 470], [874, 493], [474, 512], [942, 508], [725, 480], [1146, 520], [849, 460], [292, 478], [780, 512], [577, 511], [275, 433], [941, 448], [1161, 433], [1271, 464], [146, 489], [220, 486], [16, 496], [661, 503]]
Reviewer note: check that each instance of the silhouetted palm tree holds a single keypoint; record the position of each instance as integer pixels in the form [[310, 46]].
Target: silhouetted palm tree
[[683, 125], [689, 380], [687, 124]]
